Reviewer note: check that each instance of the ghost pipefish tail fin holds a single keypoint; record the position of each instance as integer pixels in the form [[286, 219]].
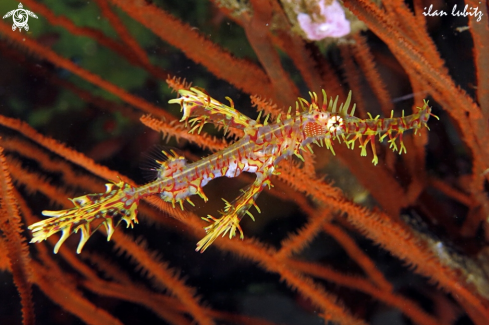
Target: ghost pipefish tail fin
[[118, 203]]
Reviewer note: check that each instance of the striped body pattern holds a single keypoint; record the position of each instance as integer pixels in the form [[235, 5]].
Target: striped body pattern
[[259, 150]]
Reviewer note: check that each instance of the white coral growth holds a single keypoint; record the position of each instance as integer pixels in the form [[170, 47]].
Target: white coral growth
[[331, 22]]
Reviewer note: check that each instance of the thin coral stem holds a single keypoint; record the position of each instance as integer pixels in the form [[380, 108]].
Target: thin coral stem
[[303, 59], [399, 12], [55, 285], [450, 191], [4, 260], [379, 228], [296, 242], [408, 307], [365, 60], [123, 33], [56, 147], [480, 36], [332, 309], [83, 94], [166, 308], [418, 13], [47, 163], [132, 55], [43, 52], [353, 77], [121, 287], [295, 47], [358, 255], [380, 183], [160, 272], [17, 250], [416, 170], [256, 29], [30, 178], [242, 74], [177, 131]]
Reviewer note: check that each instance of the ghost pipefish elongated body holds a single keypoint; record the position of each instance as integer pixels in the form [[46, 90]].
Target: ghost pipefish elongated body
[[259, 151]]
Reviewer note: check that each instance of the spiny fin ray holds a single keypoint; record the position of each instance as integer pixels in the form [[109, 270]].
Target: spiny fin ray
[[119, 201]]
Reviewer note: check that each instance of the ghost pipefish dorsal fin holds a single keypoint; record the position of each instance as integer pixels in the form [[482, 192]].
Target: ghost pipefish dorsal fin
[[199, 108]]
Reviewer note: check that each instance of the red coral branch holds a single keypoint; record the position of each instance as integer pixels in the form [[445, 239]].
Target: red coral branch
[[242, 74], [17, 250], [61, 62]]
